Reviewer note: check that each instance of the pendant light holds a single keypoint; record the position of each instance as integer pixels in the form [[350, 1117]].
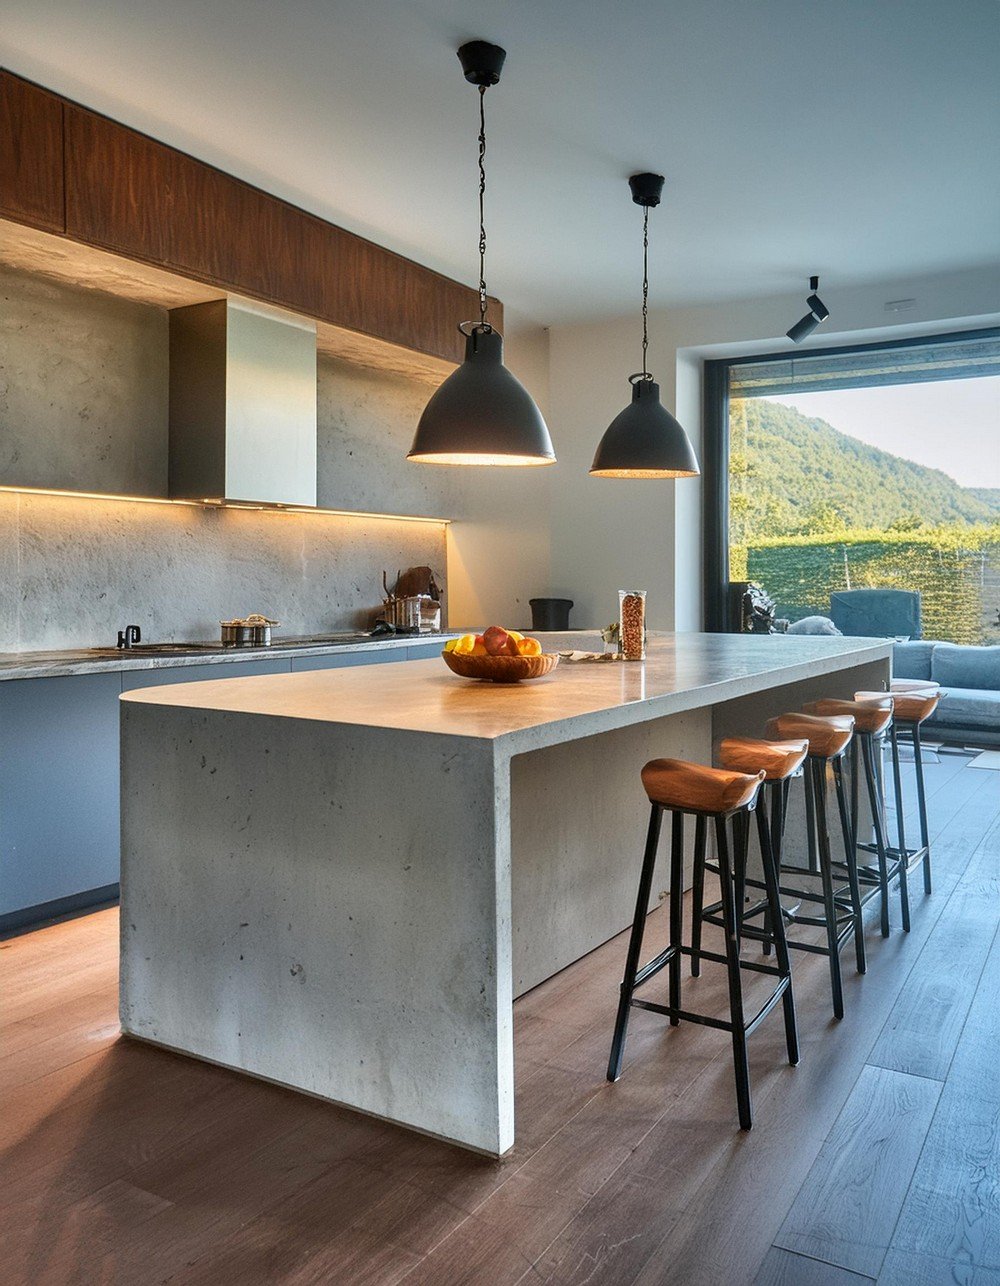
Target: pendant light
[[481, 414], [644, 440]]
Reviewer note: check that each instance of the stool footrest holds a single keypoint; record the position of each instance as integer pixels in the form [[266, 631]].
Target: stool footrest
[[706, 1020]]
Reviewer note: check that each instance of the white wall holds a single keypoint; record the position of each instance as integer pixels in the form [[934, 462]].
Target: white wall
[[608, 534]]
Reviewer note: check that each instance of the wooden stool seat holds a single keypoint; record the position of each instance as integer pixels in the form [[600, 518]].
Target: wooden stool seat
[[828, 735], [913, 685], [777, 759], [909, 707], [872, 714], [695, 788]]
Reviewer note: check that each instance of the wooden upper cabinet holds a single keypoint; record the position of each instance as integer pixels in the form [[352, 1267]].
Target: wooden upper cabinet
[[143, 199], [31, 154]]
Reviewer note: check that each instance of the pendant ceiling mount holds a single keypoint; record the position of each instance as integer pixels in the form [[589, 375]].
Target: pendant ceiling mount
[[482, 414], [644, 440], [482, 62]]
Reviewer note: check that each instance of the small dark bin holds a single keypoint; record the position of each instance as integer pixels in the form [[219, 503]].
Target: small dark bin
[[550, 613]]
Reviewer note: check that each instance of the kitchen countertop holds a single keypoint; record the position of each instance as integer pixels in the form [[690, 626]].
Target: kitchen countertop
[[681, 672], [57, 664]]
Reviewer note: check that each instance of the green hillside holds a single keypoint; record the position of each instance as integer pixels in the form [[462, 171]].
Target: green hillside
[[791, 474], [989, 496]]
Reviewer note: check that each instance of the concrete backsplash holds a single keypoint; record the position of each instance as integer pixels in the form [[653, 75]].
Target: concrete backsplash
[[83, 407], [74, 571]]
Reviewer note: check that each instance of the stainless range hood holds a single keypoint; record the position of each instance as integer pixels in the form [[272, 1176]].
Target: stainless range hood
[[242, 405]]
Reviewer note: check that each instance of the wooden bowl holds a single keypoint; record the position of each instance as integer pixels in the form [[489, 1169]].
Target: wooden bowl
[[500, 669]]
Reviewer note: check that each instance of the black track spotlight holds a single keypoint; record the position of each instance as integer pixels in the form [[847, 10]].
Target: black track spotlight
[[818, 312]]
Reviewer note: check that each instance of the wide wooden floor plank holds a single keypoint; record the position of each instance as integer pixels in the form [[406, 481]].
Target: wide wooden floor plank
[[952, 1210], [922, 1032], [784, 1268], [903, 1269], [846, 1210]]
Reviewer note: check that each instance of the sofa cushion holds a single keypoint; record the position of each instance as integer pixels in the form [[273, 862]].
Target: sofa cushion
[[966, 667], [967, 708], [912, 660], [813, 625]]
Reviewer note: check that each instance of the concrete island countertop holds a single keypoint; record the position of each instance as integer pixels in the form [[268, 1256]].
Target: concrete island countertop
[[58, 664], [339, 880], [681, 672]]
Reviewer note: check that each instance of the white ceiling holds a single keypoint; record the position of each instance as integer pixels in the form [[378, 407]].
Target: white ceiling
[[853, 138]]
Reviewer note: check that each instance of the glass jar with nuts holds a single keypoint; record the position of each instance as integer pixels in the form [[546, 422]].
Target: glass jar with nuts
[[632, 624]]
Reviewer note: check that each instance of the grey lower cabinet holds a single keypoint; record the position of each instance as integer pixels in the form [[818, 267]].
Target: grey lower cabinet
[[58, 794], [59, 789]]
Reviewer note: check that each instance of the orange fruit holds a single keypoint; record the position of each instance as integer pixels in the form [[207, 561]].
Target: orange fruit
[[466, 645], [529, 647]]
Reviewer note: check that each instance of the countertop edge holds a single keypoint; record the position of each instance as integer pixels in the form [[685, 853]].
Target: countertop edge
[[76, 662]]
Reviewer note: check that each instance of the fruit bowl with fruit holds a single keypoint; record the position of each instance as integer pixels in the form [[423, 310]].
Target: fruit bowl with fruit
[[499, 655]]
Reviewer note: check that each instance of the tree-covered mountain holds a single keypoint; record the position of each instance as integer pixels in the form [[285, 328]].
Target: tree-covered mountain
[[988, 495], [792, 474]]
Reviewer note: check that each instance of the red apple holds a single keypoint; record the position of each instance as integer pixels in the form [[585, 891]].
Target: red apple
[[495, 641]]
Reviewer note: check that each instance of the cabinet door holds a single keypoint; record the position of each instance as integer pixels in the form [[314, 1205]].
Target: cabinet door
[[59, 828], [31, 154], [133, 195], [200, 673]]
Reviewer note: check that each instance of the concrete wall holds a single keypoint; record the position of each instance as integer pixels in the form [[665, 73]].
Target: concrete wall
[[73, 571], [608, 534], [83, 407], [83, 388]]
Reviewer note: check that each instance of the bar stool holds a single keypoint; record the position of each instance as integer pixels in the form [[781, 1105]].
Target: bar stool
[[872, 717], [913, 685], [828, 737], [911, 709], [708, 794], [780, 761]]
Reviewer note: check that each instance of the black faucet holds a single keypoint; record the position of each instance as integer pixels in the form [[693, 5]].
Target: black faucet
[[129, 636]]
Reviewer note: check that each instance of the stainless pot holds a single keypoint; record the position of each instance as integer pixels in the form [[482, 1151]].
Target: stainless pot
[[253, 631]]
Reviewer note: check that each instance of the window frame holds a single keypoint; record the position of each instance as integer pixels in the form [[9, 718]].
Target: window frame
[[715, 451]]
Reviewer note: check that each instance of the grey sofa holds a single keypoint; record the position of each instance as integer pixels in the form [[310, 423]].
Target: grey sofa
[[969, 710]]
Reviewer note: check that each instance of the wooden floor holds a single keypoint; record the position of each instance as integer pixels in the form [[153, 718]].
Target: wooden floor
[[877, 1158]]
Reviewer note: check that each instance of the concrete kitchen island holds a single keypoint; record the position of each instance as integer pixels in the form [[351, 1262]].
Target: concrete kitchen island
[[340, 880]]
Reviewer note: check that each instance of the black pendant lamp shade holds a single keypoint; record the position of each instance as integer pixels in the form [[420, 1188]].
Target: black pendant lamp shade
[[644, 440], [481, 414]]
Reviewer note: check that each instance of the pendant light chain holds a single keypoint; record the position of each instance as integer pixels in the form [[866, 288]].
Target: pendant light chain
[[645, 289], [482, 201]]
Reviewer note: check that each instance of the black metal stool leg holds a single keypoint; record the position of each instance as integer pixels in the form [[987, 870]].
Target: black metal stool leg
[[771, 881], [822, 836], [741, 852], [779, 794], [918, 764], [741, 1064], [635, 943], [878, 817], [676, 911], [849, 830], [698, 895], [897, 786]]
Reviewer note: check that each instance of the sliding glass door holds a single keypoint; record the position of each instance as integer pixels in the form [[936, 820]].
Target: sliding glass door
[[867, 468]]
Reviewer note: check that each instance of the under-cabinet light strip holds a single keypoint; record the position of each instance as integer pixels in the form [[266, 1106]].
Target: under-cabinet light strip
[[222, 504]]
